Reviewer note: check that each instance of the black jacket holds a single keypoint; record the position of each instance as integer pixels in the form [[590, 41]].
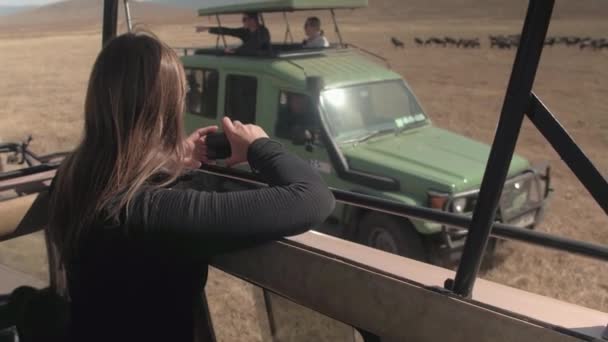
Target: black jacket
[[254, 43]]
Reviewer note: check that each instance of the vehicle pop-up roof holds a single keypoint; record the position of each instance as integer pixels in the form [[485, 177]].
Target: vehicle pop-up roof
[[213, 7], [219, 7]]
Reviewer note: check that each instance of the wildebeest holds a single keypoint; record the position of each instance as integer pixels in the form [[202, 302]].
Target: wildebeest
[[498, 41], [397, 43], [514, 38], [504, 42], [569, 41], [468, 43], [595, 44], [550, 41], [435, 40], [585, 44], [450, 40], [472, 43], [601, 43]]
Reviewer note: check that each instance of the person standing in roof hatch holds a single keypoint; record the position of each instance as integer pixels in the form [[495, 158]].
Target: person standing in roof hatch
[[255, 36], [315, 38]]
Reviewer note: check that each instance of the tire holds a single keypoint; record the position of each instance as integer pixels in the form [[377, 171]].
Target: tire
[[392, 235]]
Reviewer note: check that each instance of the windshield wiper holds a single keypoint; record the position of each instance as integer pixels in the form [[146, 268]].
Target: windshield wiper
[[370, 135]]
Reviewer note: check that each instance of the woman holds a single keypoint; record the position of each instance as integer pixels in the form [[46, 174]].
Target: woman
[[315, 37], [135, 250]]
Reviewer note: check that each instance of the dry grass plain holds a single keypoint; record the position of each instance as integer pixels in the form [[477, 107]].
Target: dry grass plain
[[44, 78]]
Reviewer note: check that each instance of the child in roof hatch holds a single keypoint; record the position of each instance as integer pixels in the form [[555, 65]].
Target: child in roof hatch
[[315, 37]]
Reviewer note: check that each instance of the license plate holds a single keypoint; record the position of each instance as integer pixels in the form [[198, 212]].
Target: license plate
[[524, 220]]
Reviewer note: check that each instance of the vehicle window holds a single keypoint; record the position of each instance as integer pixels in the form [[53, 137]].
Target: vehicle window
[[295, 115], [357, 111], [201, 98], [241, 97]]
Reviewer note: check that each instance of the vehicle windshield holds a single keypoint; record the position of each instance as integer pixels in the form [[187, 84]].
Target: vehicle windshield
[[359, 112]]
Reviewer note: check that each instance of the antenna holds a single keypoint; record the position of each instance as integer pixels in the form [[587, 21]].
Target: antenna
[[287, 29], [336, 27], [219, 24], [128, 16]]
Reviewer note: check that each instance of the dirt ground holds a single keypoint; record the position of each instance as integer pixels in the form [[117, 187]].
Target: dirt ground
[[44, 78]]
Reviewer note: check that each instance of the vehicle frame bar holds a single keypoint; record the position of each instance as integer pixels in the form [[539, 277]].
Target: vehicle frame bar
[[516, 103], [569, 151]]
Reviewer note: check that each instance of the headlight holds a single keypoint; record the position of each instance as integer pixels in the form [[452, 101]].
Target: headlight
[[459, 205]]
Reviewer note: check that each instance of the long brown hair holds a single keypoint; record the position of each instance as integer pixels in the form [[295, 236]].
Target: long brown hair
[[133, 131]]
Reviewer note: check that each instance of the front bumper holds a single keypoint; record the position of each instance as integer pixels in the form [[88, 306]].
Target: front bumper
[[447, 246]]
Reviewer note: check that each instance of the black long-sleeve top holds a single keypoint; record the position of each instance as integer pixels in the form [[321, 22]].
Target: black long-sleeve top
[[254, 43], [141, 279]]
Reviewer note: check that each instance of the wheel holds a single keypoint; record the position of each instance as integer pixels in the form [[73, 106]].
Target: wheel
[[391, 234]]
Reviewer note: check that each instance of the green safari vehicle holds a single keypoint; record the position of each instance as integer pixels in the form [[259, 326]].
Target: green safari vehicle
[[360, 125]]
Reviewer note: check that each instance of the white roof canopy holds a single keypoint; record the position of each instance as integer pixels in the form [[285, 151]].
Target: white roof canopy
[[210, 7]]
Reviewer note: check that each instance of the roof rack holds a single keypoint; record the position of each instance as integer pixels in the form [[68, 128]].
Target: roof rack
[[214, 7]]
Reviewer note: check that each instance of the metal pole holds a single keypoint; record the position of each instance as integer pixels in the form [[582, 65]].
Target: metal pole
[[270, 314], [501, 230], [110, 19], [219, 24], [287, 29], [128, 16], [569, 151], [336, 28], [516, 103]]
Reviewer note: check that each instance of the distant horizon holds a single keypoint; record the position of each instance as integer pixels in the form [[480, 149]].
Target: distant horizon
[[31, 3], [26, 3]]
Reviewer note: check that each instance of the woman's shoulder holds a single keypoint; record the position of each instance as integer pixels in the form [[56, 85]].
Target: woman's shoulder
[[325, 41]]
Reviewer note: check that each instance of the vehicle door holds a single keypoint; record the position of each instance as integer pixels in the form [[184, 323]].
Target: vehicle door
[[203, 85], [297, 126]]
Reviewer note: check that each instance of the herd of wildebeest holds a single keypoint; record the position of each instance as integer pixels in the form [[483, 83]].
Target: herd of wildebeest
[[506, 42]]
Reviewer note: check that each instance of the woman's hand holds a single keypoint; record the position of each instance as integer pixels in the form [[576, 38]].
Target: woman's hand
[[240, 137], [195, 148]]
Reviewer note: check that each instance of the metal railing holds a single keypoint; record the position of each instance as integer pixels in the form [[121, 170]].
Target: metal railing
[[500, 230]]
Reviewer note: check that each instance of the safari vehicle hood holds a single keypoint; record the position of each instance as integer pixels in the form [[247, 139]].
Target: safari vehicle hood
[[427, 157]]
